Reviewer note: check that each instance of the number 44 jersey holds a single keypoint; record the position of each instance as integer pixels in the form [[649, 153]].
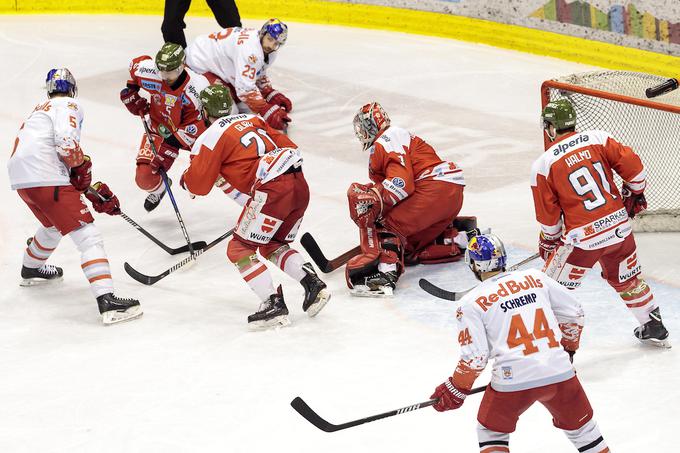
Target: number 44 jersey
[[523, 320], [574, 191]]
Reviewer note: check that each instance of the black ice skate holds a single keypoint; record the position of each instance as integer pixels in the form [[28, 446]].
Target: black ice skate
[[153, 200], [40, 275], [380, 284], [316, 294], [653, 331], [272, 313], [115, 310]]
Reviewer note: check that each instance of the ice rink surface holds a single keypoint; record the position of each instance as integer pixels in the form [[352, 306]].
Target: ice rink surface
[[188, 376]]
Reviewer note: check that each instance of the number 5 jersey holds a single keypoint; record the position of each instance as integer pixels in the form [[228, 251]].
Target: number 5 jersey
[[524, 321], [573, 187]]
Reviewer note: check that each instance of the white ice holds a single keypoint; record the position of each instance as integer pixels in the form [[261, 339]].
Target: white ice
[[188, 376]]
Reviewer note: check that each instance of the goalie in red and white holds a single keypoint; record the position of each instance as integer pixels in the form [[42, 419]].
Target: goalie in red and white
[[586, 220], [239, 58], [406, 216]]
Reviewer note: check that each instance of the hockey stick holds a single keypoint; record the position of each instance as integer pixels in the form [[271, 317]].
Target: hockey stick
[[164, 177], [662, 88], [138, 227], [151, 279], [442, 293], [318, 257], [312, 417]]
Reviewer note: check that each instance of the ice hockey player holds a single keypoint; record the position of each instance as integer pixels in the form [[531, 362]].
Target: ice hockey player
[[174, 111], [239, 58], [531, 326], [260, 161], [585, 219], [49, 171], [409, 208]]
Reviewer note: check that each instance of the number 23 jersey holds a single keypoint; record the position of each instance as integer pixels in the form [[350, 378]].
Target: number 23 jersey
[[574, 180], [517, 319]]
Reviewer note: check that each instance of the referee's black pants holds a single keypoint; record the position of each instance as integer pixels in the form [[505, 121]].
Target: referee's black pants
[[173, 26]]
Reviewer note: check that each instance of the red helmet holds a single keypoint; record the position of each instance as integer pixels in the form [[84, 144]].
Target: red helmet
[[369, 121]]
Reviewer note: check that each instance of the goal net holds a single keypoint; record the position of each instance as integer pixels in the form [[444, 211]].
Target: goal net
[[615, 101]]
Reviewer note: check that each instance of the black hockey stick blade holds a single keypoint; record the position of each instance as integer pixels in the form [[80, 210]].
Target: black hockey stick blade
[[315, 419], [198, 245], [325, 265], [151, 279], [441, 293]]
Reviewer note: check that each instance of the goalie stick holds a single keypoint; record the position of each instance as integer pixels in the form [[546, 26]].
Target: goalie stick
[[138, 227], [318, 257], [151, 279], [312, 417], [442, 293]]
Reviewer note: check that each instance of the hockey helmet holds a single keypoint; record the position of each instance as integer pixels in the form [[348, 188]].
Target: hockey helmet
[[216, 101], [485, 253], [61, 81], [276, 29], [369, 121], [560, 114], [170, 57]]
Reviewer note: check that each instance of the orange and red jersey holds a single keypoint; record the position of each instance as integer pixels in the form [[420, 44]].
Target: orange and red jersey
[[573, 189], [175, 111], [243, 150], [398, 160]]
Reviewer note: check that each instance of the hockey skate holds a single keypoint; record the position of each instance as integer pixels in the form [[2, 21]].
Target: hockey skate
[[115, 310], [316, 294], [653, 331], [380, 284], [154, 199], [41, 275], [271, 314]]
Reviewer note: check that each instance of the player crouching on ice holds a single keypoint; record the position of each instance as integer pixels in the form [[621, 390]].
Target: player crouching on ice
[[407, 216], [174, 111], [531, 326], [258, 160], [50, 172], [585, 220]]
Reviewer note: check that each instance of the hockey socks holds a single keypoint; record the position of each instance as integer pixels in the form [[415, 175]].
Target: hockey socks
[[93, 259], [256, 275], [587, 439], [289, 261], [638, 297], [41, 247]]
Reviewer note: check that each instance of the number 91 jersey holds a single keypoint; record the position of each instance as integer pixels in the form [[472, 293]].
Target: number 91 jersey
[[574, 179], [517, 319]]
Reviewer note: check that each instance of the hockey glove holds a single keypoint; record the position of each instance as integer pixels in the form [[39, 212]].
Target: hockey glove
[[450, 396], [365, 204], [275, 116], [277, 98], [634, 202], [81, 176], [164, 159], [547, 245], [102, 199], [136, 104]]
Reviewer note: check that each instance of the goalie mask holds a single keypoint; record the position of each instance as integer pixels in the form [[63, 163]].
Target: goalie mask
[[369, 122], [485, 254], [61, 81]]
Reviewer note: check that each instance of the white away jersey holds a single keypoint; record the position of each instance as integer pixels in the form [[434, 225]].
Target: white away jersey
[[514, 319], [51, 131], [234, 55]]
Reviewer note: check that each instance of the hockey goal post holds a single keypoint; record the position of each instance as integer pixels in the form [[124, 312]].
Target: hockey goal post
[[615, 102]]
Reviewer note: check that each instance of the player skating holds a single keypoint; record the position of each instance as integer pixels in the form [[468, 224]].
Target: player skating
[[174, 111], [531, 326], [585, 219], [239, 58], [49, 171], [260, 161], [407, 212]]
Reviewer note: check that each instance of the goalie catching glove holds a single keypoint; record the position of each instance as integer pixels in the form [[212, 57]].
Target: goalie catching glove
[[102, 199], [634, 202], [450, 396], [365, 204]]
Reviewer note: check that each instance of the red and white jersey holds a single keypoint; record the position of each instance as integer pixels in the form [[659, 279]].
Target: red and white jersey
[[243, 150], [573, 188], [398, 160], [45, 143], [234, 55], [173, 111], [518, 319]]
